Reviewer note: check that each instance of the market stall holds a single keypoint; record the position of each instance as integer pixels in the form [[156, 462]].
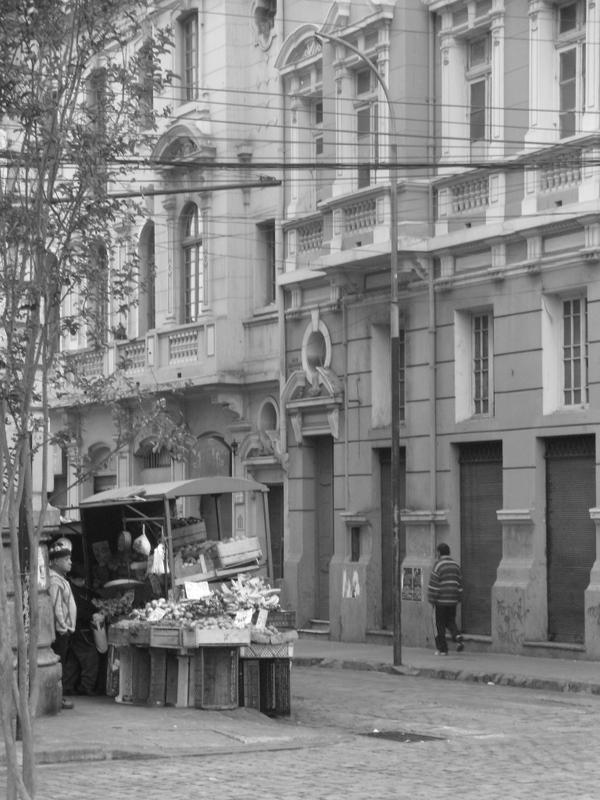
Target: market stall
[[185, 588]]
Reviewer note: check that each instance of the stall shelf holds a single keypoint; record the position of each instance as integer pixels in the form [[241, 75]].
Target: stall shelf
[[174, 665]]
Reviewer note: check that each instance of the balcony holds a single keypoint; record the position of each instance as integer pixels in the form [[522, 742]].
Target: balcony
[[189, 353], [469, 200], [343, 223], [553, 182]]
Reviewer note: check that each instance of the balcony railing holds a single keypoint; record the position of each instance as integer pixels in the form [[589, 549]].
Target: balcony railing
[[183, 346], [132, 355], [87, 363], [562, 173], [471, 195], [360, 216], [310, 236]]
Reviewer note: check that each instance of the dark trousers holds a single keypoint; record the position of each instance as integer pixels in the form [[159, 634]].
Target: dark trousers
[[79, 659], [445, 618]]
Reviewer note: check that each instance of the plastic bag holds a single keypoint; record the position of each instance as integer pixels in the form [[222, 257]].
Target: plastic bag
[[98, 626], [142, 545], [158, 560]]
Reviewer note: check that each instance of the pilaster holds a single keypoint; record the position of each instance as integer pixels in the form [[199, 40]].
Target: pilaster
[[424, 530], [592, 598], [542, 119], [519, 593]]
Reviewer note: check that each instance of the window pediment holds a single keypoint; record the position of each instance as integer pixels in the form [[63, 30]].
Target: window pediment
[[184, 143]]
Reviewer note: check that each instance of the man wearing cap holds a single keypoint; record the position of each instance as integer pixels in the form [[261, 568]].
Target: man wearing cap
[[63, 602]]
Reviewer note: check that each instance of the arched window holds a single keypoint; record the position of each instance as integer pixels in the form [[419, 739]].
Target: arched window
[[194, 284], [147, 309]]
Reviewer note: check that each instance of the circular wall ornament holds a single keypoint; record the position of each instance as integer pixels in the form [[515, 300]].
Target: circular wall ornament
[[316, 349]]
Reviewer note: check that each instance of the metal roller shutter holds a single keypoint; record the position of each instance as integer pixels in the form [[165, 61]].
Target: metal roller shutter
[[570, 533], [481, 533]]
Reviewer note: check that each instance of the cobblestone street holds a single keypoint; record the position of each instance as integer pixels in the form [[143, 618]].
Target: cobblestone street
[[495, 742]]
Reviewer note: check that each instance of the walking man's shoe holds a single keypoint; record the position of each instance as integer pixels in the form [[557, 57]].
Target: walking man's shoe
[[441, 653], [460, 645], [67, 703]]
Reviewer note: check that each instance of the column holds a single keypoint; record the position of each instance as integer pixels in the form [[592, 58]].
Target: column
[[542, 111], [455, 136], [345, 143], [424, 529], [496, 148], [591, 120], [169, 206], [592, 598], [519, 593]]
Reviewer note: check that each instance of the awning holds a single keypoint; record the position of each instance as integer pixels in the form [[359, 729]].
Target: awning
[[159, 491]]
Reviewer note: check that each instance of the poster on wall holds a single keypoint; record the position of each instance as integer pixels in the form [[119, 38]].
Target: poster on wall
[[412, 583]]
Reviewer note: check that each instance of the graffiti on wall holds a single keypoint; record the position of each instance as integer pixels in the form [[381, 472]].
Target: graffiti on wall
[[510, 621], [351, 586]]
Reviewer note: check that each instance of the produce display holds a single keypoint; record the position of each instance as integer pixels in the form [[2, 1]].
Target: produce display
[[218, 609], [115, 608], [249, 592], [196, 554], [182, 612]]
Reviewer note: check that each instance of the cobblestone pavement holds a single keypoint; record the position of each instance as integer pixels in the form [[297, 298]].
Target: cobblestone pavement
[[495, 742]]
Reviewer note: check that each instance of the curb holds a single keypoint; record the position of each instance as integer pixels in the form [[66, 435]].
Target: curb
[[490, 678]]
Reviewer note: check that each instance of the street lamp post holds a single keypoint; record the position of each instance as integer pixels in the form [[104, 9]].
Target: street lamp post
[[395, 347]]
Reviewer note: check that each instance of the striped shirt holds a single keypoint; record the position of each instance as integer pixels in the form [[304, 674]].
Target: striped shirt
[[446, 584]]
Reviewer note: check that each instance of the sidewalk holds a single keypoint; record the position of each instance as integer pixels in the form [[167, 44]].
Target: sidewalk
[[549, 674], [101, 729]]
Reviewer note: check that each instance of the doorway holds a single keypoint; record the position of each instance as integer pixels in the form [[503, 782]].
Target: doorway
[[570, 533], [481, 532], [323, 455]]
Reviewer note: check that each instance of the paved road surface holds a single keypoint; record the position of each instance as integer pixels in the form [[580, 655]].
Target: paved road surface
[[495, 743]]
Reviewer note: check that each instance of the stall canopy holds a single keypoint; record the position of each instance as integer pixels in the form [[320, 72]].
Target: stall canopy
[[172, 489]]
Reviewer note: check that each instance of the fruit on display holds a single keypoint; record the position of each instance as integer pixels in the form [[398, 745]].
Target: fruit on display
[[191, 555], [206, 612], [115, 607], [249, 592]]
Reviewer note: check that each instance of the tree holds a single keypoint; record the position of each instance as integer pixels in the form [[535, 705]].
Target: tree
[[76, 84]]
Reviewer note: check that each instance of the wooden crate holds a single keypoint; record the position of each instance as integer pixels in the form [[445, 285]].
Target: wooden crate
[[188, 534], [134, 675], [158, 677], [249, 683], [275, 686], [128, 632], [206, 637], [165, 636], [238, 551], [215, 678]]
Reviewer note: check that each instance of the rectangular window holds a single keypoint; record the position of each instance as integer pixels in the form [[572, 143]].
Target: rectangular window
[[477, 111], [575, 352], [189, 39], [367, 144], [481, 364], [194, 282], [478, 77], [571, 53], [268, 266]]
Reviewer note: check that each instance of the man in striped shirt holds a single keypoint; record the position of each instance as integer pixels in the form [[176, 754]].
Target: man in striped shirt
[[444, 592]]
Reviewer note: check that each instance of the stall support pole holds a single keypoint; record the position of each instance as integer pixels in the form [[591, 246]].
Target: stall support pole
[[218, 516], [169, 549]]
